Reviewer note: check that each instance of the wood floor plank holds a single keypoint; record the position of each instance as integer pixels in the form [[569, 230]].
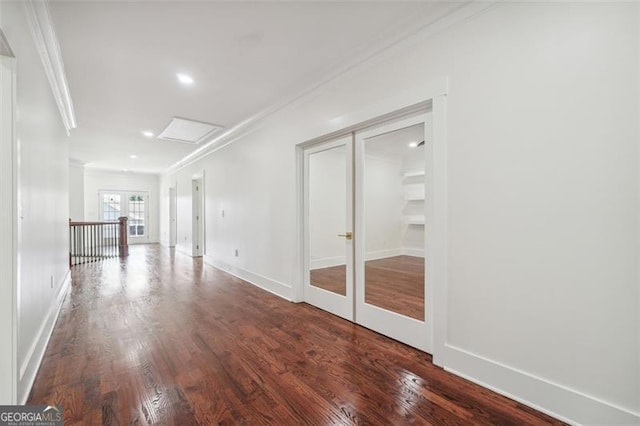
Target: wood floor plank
[[160, 338]]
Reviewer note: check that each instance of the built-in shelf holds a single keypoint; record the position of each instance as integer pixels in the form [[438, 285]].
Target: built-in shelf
[[414, 191], [414, 219], [411, 173]]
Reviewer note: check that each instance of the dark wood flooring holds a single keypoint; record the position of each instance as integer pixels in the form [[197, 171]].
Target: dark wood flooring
[[161, 339], [394, 283]]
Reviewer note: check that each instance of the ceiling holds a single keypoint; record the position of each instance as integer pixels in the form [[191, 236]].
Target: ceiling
[[121, 61], [397, 144]]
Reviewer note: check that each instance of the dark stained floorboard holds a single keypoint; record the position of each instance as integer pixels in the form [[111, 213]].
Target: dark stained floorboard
[[161, 339]]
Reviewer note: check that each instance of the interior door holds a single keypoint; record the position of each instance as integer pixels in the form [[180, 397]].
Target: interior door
[[390, 263], [328, 227]]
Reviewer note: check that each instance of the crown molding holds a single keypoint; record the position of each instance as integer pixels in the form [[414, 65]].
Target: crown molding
[[388, 43], [44, 36]]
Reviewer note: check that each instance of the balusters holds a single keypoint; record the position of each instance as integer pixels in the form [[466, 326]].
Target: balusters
[[93, 241]]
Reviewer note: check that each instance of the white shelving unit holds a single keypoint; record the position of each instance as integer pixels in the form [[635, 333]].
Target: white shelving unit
[[414, 191], [414, 219]]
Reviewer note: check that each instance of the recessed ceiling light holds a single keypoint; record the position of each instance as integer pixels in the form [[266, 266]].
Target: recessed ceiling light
[[185, 79], [125, 170], [413, 144], [147, 133], [133, 156]]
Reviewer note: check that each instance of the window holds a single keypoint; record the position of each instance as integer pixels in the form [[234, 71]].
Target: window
[[111, 207], [136, 215], [115, 204]]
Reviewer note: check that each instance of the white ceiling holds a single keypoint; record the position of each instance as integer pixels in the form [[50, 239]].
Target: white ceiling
[[121, 61], [395, 145]]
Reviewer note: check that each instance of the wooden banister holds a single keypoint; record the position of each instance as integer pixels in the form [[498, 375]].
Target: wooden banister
[[124, 233], [95, 240]]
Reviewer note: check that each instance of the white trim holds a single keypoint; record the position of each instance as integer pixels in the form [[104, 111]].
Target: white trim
[[437, 228], [272, 286], [33, 359], [328, 262], [385, 46], [8, 229], [383, 254], [415, 252], [46, 41], [554, 399]]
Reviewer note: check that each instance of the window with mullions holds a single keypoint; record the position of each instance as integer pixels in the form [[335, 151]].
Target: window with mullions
[[136, 215], [111, 208], [115, 204]]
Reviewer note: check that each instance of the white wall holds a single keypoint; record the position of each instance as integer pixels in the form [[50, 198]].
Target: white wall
[[76, 192], [383, 205], [43, 201], [100, 180], [542, 190], [327, 207]]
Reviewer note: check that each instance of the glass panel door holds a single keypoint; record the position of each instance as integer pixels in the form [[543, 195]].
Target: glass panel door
[[390, 225], [133, 205], [328, 228], [137, 215]]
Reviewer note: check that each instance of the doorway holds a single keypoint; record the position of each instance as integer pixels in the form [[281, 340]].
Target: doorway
[[364, 228], [197, 196], [173, 222], [133, 205]]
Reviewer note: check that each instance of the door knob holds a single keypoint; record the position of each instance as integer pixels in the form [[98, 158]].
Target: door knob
[[347, 235]]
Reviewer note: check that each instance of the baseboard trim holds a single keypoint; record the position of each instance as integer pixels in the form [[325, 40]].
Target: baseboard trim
[[559, 401], [413, 252], [326, 262], [31, 364], [272, 286]]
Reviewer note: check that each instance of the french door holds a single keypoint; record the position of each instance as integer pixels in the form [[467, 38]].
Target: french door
[[366, 218], [328, 205], [133, 205]]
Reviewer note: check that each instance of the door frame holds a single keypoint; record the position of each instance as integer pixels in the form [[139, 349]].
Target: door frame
[[8, 227], [197, 217], [173, 216], [433, 95]]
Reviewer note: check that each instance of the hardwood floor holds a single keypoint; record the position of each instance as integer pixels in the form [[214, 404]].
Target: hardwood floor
[[394, 283], [161, 339]]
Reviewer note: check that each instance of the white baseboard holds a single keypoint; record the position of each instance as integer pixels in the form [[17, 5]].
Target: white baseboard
[[413, 252], [265, 283], [561, 402], [30, 365], [326, 262], [383, 254]]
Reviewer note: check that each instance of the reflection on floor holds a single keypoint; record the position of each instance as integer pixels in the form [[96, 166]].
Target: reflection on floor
[[159, 338], [394, 283]]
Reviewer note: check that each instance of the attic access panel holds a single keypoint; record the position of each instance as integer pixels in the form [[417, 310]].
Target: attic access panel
[[188, 131]]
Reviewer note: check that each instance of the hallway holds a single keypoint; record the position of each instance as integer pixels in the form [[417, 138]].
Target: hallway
[[161, 339]]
